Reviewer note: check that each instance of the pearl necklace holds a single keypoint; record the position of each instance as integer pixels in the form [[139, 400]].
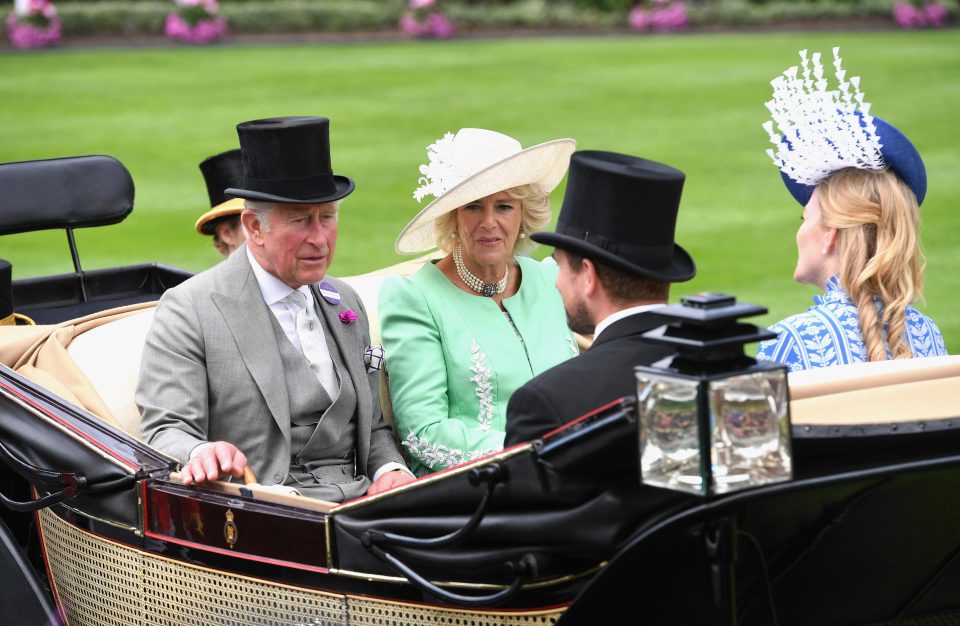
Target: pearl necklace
[[484, 289]]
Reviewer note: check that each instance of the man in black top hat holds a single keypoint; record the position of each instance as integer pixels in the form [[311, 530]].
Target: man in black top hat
[[617, 257], [261, 359], [222, 221]]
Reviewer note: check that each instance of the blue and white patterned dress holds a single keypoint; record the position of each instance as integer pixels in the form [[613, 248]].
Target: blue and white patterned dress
[[828, 333]]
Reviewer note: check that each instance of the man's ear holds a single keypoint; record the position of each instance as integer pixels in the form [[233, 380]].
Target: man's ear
[[589, 279], [253, 226]]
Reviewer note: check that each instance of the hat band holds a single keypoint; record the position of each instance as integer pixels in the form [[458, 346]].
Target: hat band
[[299, 188], [652, 256]]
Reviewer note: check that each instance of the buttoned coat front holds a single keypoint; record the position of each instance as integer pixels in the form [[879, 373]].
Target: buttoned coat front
[[211, 371]]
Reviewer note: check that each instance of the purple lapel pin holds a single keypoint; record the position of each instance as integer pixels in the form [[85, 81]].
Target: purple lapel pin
[[329, 293]]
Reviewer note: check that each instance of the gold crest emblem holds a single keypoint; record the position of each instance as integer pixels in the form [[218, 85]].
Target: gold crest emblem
[[230, 531]]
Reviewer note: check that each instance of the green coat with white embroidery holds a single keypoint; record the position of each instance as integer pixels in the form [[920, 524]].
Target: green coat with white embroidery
[[454, 359]]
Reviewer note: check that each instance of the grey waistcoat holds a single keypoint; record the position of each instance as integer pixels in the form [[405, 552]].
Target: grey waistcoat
[[322, 435]]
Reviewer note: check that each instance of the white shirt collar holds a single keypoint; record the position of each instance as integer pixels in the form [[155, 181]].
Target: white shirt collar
[[272, 288], [619, 315]]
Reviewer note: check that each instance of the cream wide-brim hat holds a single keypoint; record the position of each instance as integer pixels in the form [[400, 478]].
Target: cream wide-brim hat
[[233, 206], [473, 164]]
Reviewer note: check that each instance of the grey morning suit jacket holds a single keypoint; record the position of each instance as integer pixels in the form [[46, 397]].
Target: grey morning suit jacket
[[211, 371]]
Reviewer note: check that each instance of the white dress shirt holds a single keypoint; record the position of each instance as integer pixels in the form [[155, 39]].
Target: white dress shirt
[[619, 315]]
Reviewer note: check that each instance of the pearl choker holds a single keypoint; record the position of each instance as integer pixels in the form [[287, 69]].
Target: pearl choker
[[484, 289]]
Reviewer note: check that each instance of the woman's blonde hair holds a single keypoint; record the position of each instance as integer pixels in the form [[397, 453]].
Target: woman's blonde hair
[[535, 204], [878, 244]]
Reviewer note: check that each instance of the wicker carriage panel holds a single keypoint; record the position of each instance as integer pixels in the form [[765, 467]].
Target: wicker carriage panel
[[367, 612], [97, 581], [176, 594], [102, 583]]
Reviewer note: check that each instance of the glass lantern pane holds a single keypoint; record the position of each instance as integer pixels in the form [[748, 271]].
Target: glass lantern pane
[[669, 441], [750, 438]]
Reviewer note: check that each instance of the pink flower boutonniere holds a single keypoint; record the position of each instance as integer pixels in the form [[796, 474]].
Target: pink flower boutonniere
[[348, 317]]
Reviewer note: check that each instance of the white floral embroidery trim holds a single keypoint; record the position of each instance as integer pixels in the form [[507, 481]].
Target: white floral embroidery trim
[[439, 456], [481, 377]]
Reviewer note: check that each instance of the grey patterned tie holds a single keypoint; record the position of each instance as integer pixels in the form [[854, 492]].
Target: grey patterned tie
[[313, 344]]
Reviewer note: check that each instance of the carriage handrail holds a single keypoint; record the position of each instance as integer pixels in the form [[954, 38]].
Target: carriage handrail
[[74, 483], [523, 569], [490, 475]]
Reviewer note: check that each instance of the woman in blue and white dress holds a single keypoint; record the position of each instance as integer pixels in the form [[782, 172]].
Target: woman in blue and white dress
[[861, 183]]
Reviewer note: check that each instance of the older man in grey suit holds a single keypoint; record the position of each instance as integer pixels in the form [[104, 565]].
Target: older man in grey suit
[[258, 360]]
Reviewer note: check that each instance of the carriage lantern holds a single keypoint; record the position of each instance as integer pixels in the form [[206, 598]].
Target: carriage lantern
[[711, 419]]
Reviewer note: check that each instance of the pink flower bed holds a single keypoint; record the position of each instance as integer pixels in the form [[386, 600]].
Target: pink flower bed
[[38, 28], [195, 21], [203, 31], [422, 20], [929, 14], [661, 17]]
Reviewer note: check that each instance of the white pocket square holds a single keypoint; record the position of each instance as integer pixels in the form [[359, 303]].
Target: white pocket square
[[373, 358]]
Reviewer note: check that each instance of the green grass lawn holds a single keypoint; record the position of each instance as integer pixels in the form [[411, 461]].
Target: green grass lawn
[[695, 102]]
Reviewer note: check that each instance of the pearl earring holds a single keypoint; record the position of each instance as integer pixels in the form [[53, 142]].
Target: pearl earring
[[453, 235]]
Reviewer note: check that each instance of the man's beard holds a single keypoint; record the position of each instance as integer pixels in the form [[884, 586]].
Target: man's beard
[[579, 320]]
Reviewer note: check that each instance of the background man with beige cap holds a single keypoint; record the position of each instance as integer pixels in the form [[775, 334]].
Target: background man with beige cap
[[222, 221]]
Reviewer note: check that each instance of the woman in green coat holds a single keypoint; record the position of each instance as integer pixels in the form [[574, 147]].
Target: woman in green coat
[[463, 333]]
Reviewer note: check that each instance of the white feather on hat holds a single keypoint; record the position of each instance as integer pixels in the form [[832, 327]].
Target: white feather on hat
[[821, 130]]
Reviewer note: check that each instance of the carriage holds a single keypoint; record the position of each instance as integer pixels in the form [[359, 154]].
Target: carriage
[[97, 530]]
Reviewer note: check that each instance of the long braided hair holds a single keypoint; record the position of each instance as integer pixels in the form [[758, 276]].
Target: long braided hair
[[878, 242]]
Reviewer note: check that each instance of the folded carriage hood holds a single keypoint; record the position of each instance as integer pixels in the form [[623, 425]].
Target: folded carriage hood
[[41, 430]]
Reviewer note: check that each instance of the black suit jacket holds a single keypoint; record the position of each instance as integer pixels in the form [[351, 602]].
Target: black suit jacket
[[600, 375]]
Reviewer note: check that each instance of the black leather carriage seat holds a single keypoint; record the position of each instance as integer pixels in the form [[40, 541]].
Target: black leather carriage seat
[[72, 192]]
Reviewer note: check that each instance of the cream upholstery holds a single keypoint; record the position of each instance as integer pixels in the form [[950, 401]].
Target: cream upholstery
[[877, 393], [367, 287], [109, 355]]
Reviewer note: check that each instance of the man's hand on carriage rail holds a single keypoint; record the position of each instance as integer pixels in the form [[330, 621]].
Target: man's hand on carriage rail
[[210, 461], [389, 480]]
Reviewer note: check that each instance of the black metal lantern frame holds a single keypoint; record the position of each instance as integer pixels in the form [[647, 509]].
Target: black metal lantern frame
[[711, 419]]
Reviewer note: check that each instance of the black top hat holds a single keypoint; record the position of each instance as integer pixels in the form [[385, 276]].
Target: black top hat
[[622, 210], [287, 159], [221, 171]]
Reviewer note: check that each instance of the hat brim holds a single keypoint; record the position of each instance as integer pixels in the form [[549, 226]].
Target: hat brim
[[544, 164], [899, 154], [344, 187], [681, 267], [205, 223]]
